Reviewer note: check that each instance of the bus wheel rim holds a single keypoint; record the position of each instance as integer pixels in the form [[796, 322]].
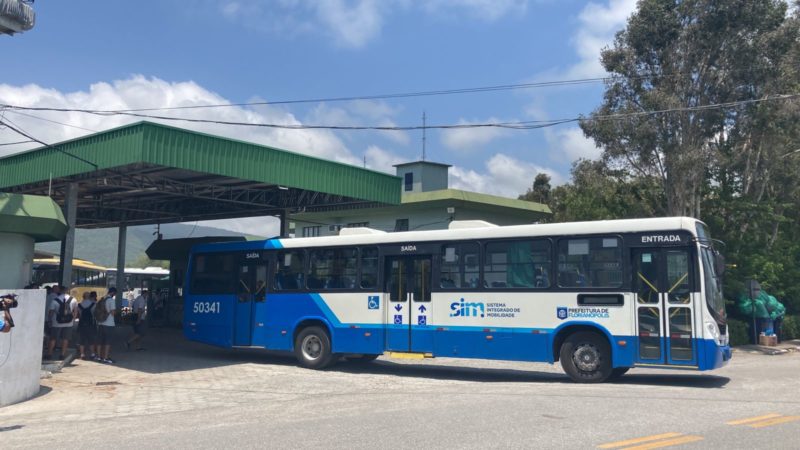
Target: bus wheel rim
[[312, 347], [586, 357]]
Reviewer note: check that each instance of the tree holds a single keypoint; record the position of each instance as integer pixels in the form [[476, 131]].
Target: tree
[[540, 191], [143, 261], [598, 192], [682, 54]]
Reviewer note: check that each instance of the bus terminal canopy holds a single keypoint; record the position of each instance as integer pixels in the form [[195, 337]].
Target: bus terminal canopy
[[148, 173]]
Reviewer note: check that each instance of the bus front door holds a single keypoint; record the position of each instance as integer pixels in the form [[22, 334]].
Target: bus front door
[[250, 295], [663, 280], [408, 289]]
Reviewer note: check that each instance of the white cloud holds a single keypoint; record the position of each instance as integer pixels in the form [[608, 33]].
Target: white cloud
[[471, 138], [488, 10], [383, 160], [567, 145], [140, 92], [598, 23], [505, 176], [360, 113], [354, 23]]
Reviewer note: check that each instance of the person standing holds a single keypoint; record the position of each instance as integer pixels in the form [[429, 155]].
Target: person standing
[[104, 313], [86, 327], [139, 307], [62, 313]]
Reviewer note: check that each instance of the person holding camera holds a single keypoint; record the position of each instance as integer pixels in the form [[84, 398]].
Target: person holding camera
[[6, 303]]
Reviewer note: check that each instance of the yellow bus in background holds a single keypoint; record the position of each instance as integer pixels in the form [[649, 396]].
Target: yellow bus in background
[[86, 276]]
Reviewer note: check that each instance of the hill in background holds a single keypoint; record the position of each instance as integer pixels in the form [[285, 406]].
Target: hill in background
[[100, 246]]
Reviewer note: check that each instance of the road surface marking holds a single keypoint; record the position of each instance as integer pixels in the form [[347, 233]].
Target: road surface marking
[[776, 421], [654, 437], [667, 443], [753, 419]]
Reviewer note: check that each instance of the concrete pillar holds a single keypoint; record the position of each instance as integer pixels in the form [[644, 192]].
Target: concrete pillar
[[284, 218], [123, 234], [68, 243], [16, 260], [21, 349]]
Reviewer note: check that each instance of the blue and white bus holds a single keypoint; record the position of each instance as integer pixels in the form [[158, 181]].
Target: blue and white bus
[[600, 297]]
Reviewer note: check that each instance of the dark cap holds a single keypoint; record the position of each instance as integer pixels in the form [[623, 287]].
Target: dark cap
[[112, 290]]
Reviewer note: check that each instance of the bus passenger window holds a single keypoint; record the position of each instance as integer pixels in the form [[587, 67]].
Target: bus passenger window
[[522, 264], [289, 274]]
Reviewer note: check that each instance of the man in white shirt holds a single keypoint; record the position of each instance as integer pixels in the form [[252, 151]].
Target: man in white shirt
[[139, 307], [105, 310], [62, 312]]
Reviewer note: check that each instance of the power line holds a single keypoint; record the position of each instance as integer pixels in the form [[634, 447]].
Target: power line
[[52, 121], [7, 123], [520, 125]]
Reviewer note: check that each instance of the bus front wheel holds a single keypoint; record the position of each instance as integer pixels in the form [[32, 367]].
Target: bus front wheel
[[586, 357], [312, 347]]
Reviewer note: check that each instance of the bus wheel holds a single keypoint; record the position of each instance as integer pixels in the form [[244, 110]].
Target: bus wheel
[[313, 348], [586, 357], [617, 372]]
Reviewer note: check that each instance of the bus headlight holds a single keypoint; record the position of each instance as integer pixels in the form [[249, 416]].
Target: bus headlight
[[713, 332]]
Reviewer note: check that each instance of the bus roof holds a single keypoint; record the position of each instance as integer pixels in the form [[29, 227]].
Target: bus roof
[[79, 263], [458, 233]]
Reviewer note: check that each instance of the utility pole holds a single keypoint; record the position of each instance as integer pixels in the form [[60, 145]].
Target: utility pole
[[424, 129]]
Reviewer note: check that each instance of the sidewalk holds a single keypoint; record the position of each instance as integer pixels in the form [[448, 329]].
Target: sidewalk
[[782, 348]]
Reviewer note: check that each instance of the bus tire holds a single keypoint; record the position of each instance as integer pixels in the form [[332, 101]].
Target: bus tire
[[586, 357], [312, 347]]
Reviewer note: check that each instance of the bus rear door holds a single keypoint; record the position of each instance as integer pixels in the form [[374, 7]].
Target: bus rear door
[[663, 280], [250, 296], [408, 289]]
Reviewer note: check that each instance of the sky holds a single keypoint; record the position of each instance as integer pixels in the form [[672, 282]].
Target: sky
[[156, 54]]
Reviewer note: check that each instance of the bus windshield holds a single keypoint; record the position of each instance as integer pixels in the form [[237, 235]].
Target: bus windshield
[[713, 284]]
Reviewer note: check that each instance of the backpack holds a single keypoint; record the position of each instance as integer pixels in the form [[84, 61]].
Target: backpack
[[100, 311], [87, 316], [64, 312]]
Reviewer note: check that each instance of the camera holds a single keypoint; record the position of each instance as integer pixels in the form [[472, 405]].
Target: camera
[[8, 301]]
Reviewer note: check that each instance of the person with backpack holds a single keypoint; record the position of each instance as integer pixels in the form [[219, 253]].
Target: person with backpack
[[104, 312], [62, 312], [87, 327]]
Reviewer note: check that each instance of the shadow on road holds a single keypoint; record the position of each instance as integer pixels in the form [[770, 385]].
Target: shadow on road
[[168, 351]]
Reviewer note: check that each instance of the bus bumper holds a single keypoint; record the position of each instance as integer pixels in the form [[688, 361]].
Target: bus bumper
[[713, 355]]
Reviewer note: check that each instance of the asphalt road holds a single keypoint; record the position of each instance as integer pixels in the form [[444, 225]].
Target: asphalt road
[[198, 397]]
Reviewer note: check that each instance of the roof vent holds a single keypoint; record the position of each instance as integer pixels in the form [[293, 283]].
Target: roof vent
[[359, 231], [462, 224]]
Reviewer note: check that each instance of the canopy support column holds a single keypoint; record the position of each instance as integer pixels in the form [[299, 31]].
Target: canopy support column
[[68, 243], [284, 218], [121, 238]]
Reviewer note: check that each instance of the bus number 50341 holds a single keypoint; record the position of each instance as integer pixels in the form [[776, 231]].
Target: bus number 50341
[[206, 307]]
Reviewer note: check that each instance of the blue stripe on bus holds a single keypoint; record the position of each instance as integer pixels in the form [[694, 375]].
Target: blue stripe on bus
[[521, 344]]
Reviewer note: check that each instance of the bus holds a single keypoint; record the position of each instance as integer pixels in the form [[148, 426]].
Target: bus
[[598, 297], [86, 276], [138, 279]]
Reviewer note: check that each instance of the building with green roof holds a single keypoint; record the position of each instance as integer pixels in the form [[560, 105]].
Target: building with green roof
[[427, 203]]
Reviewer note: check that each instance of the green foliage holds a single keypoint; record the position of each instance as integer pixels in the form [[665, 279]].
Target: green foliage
[[738, 332], [540, 191], [790, 328]]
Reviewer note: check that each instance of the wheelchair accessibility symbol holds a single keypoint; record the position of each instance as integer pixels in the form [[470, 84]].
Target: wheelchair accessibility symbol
[[422, 320], [373, 302], [398, 319]]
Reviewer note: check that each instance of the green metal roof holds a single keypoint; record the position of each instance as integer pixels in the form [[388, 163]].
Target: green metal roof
[[162, 145], [32, 215], [486, 203], [443, 195]]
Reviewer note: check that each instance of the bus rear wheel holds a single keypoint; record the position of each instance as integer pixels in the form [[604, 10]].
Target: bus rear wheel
[[586, 357], [312, 347]]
